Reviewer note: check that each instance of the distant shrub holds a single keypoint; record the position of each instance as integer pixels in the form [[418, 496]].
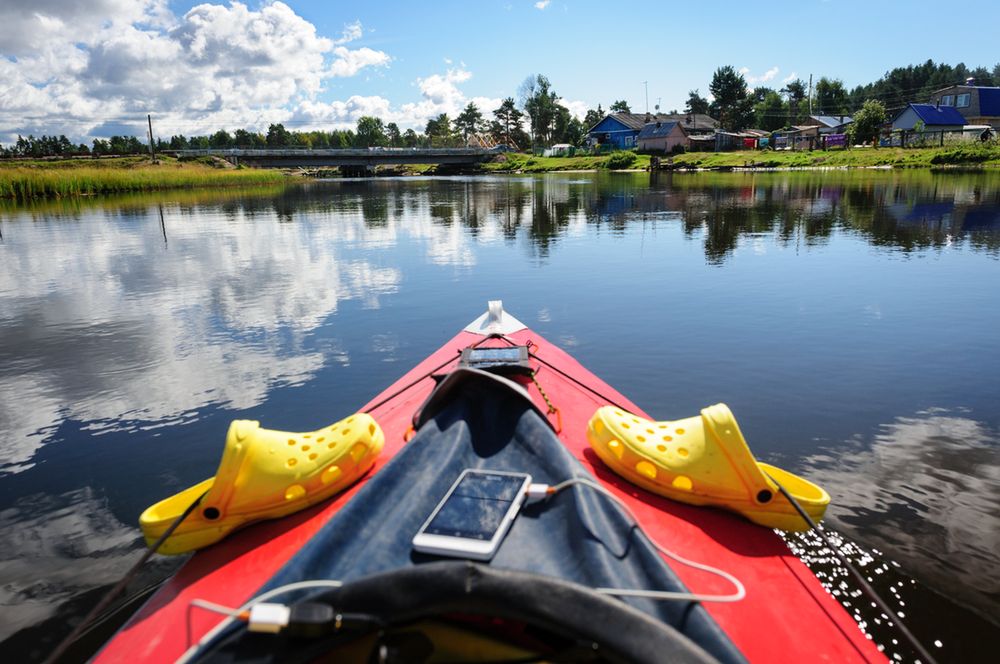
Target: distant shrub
[[967, 154], [678, 149], [620, 160]]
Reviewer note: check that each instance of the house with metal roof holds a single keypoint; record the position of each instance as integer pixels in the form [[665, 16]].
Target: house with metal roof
[[938, 118], [661, 136], [828, 124], [621, 130], [978, 104]]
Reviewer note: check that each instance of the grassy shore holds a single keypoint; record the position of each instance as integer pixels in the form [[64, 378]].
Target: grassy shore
[[966, 155], [29, 180]]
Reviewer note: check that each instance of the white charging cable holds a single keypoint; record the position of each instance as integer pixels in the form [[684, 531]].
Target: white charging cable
[[543, 492]]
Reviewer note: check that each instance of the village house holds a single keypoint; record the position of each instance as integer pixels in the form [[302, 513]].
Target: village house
[[828, 124], [978, 104], [933, 117], [620, 131], [661, 136]]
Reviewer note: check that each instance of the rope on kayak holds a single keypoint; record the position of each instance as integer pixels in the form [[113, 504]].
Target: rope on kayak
[[581, 384], [120, 586], [548, 402], [925, 656]]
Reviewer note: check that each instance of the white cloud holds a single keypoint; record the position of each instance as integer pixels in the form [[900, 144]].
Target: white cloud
[[351, 32], [542, 4], [763, 78], [791, 77], [349, 63], [98, 70]]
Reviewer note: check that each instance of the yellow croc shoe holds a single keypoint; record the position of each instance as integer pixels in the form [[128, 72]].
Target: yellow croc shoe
[[265, 474], [702, 460]]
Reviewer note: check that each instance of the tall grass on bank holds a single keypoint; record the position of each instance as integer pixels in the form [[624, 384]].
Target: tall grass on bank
[[24, 184]]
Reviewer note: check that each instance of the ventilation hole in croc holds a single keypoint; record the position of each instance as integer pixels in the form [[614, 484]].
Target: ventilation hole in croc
[[650, 432], [331, 474], [312, 457], [291, 462], [667, 439], [598, 426], [211, 513], [635, 420], [305, 448], [764, 496], [294, 492], [680, 432], [661, 448], [349, 420], [647, 469], [619, 413], [358, 452], [662, 426], [345, 433], [291, 441], [682, 482], [616, 448], [682, 452], [371, 429], [626, 425], [307, 435], [641, 439], [320, 439]]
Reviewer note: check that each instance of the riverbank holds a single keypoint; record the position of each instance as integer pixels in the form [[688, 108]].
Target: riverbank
[[31, 180], [935, 157]]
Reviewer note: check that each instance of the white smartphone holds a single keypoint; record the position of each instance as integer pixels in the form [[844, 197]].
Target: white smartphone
[[474, 516]]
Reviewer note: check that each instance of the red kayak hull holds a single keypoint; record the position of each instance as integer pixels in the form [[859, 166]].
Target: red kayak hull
[[787, 615]]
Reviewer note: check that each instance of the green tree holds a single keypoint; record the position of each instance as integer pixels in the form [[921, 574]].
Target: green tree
[[867, 122], [696, 103], [831, 97], [393, 134], [469, 121], [795, 92], [539, 102], [370, 133], [733, 107], [439, 132], [508, 117], [221, 139], [410, 138], [769, 112], [566, 128], [593, 116], [620, 106], [277, 136]]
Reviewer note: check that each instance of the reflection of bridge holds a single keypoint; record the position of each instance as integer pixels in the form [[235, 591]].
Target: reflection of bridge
[[364, 159]]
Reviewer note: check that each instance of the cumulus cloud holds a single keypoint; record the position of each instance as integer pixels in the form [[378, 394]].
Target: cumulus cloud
[[791, 77], [763, 78], [542, 4], [87, 65]]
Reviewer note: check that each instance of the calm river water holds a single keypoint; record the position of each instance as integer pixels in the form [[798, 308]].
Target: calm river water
[[851, 321]]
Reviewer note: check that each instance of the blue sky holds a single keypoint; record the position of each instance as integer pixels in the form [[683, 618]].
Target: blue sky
[[97, 68]]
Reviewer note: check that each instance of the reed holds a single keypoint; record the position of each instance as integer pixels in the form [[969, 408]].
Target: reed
[[26, 183]]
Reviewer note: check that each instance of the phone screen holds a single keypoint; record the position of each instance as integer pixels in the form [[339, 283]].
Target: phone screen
[[477, 506]]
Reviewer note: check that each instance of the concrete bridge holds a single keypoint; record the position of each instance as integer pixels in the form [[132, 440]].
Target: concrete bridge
[[362, 160]]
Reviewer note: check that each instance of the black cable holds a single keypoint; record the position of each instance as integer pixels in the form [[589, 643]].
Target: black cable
[[866, 587], [117, 589]]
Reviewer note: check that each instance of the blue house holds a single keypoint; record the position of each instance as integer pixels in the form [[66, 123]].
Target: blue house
[[621, 130], [937, 118]]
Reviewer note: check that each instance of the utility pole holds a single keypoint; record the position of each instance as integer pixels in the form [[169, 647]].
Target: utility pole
[[646, 86], [152, 155], [810, 94]]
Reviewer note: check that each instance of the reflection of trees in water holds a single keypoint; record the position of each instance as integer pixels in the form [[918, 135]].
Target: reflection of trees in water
[[909, 211]]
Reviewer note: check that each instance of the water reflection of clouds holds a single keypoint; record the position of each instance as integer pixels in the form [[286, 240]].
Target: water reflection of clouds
[[40, 533], [102, 324], [928, 491]]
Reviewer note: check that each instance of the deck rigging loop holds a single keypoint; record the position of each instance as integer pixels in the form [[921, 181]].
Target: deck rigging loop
[[548, 402]]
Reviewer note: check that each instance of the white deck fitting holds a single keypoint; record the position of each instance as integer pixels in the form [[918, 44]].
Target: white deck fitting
[[495, 321]]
